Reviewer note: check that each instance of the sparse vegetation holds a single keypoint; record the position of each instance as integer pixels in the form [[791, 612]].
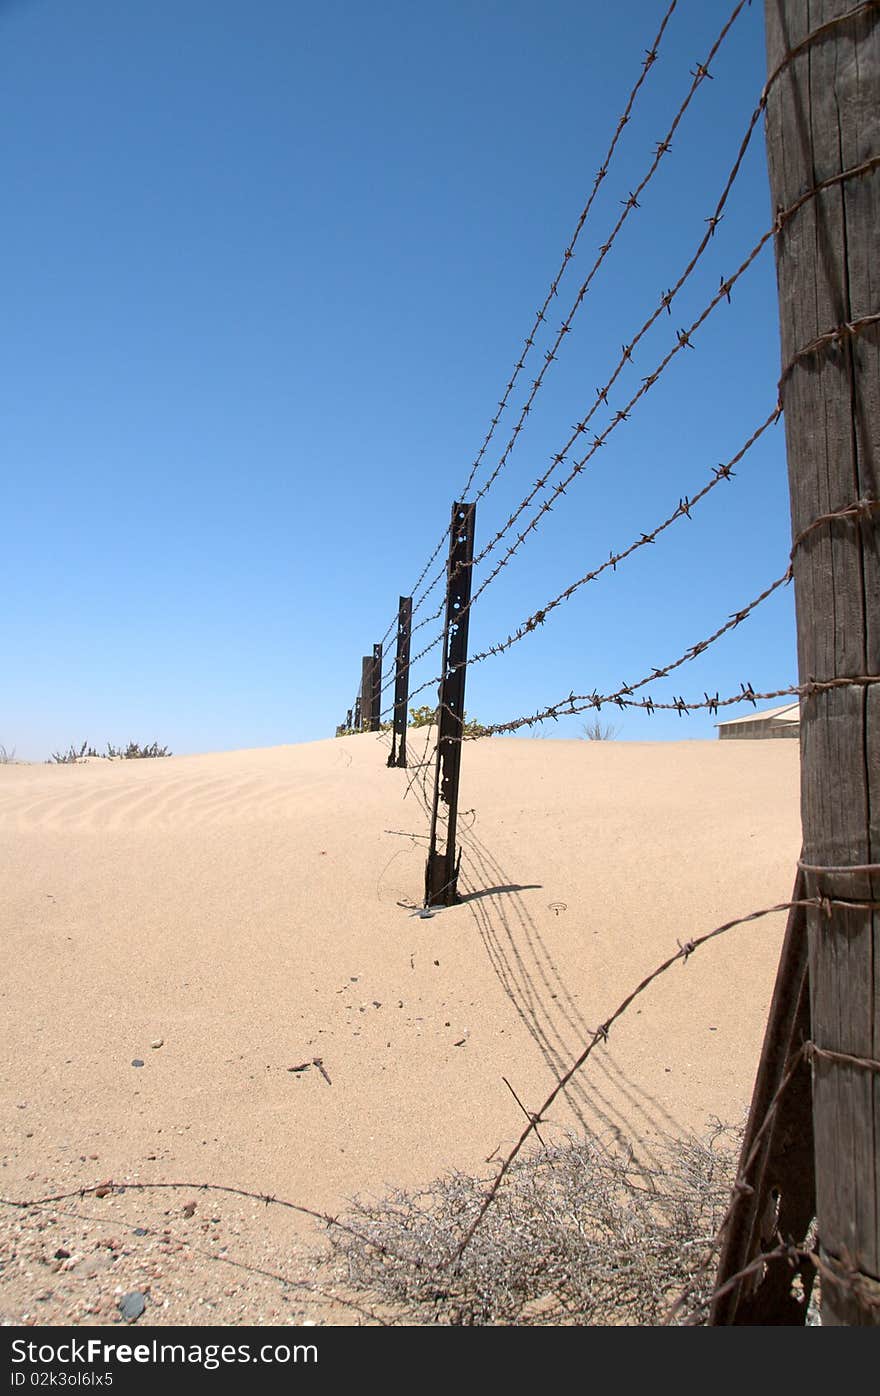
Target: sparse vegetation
[[579, 1234], [597, 731], [423, 716], [427, 716], [73, 754], [134, 751]]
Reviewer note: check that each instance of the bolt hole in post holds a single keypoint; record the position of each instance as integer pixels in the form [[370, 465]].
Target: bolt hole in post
[[441, 871]]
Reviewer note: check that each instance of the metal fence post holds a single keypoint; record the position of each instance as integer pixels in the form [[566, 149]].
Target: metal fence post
[[375, 689], [401, 683], [366, 694], [441, 871]]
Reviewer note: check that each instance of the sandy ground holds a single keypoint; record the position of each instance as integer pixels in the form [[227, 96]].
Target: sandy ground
[[252, 912]]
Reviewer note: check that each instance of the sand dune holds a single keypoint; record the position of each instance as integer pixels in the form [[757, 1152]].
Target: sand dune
[[253, 911]]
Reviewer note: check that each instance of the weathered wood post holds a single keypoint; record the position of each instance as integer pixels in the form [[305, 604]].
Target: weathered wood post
[[401, 682], [441, 870], [823, 119]]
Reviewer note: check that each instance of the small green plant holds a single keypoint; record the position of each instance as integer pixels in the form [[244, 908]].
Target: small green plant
[[426, 717], [64, 758], [423, 716], [134, 751]]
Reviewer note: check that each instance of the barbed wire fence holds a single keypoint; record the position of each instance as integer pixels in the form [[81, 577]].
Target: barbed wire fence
[[841, 351], [809, 1045]]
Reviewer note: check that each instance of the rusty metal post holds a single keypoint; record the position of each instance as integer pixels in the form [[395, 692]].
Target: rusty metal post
[[375, 689], [356, 723], [366, 692], [441, 871], [401, 683]]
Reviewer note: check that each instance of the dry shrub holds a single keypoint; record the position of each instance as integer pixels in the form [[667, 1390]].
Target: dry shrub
[[578, 1234]]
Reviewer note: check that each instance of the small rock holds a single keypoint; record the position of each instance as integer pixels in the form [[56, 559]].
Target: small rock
[[157, 1043], [140, 1231], [189, 1209], [132, 1305], [62, 1254], [137, 1062]]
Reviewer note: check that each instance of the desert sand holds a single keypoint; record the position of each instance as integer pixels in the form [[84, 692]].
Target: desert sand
[[253, 912]]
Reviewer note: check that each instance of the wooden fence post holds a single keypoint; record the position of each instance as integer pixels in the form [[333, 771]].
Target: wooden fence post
[[823, 118]]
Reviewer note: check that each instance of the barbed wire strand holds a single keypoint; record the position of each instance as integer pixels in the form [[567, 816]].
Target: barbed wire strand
[[712, 222], [682, 510], [662, 147], [683, 340], [651, 55], [861, 510], [601, 1035]]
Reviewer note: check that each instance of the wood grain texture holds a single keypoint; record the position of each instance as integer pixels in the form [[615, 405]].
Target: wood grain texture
[[823, 116]]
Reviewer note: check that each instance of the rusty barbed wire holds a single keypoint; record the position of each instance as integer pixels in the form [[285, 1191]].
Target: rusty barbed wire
[[862, 509], [682, 510], [666, 300], [700, 73], [806, 1052], [848, 329], [856, 869], [111, 1186], [683, 340], [683, 953], [683, 335], [621, 699], [651, 55], [740, 1183], [586, 702]]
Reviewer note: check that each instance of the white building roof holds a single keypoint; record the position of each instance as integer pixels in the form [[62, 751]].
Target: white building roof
[[789, 712]]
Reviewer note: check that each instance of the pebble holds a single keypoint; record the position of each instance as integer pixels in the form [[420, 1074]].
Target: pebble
[[157, 1043], [132, 1305], [137, 1062]]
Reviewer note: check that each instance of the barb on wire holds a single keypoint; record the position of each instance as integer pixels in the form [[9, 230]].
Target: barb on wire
[[666, 300], [683, 953], [682, 510], [103, 1189], [862, 510], [583, 703], [651, 55], [839, 334], [661, 149], [623, 697], [682, 341]]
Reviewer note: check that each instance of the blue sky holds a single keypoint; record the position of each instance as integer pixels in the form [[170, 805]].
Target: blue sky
[[266, 268]]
